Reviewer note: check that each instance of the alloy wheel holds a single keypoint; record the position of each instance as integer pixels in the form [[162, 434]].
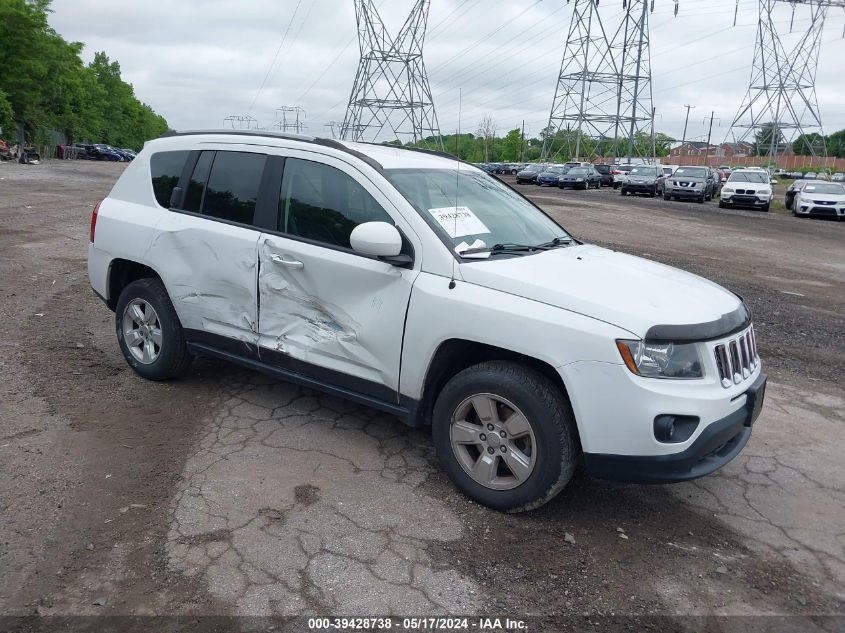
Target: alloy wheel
[[142, 331], [493, 441]]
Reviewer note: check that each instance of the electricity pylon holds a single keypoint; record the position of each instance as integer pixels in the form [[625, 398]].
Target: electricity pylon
[[391, 98], [240, 122], [290, 119], [780, 104], [603, 97]]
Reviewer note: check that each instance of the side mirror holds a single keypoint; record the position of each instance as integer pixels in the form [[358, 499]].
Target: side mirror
[[378, 239]]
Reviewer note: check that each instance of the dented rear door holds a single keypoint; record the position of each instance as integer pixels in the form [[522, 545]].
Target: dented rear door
[[327, 312], [207, 250]]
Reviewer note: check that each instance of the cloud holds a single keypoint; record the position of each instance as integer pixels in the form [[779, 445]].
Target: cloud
[[196, 62]]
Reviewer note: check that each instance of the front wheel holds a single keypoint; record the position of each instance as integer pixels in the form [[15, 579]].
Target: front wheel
[[149, 332], [666, 196], [766, 208], [722, 204], [505, 435]]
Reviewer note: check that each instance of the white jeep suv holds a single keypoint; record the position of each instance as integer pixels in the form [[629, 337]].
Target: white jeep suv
[[417, 284]]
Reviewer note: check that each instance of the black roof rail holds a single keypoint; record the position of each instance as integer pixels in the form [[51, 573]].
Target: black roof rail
[[325, 142]]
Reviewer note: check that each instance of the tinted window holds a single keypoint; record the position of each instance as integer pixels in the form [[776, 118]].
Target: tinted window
[[165, 169], [196, 187], [322, 203], [233, 186]]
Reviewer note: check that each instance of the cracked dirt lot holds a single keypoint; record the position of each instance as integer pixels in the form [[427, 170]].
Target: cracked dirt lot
[[228, 493]]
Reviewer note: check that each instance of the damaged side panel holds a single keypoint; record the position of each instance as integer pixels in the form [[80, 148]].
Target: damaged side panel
[[333, 309], [210, 271]]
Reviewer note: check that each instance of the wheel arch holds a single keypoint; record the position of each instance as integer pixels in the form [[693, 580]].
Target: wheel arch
[[123, 272], [454, 355]]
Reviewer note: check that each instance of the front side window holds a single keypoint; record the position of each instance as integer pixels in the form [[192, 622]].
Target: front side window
[[321, 203], [467, 206], [165, 170]]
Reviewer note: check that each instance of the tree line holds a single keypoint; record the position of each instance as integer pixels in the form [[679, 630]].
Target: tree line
[[45, 85], [485, 146]]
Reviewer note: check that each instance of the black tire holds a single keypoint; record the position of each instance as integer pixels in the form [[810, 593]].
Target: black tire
[[722, 204], [615, 186], [666, 196], [653, 193], [700, 199], [173, 358], [623, 192], [766, 208], [549, 416]]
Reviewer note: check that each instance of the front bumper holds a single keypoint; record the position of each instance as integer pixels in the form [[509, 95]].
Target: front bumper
[[639, 187], [684, 192], [745, 200], [829, 211], [575, 184], [717, 445]]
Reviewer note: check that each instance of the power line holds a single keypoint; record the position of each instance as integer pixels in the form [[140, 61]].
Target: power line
[[276, 56]]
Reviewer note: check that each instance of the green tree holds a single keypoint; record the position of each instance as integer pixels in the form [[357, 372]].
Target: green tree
[[763, 139], [510, 147], [809, 144], [836, 144], [47, 86]]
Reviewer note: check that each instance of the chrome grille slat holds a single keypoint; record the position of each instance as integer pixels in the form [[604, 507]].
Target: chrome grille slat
[[736, 358]]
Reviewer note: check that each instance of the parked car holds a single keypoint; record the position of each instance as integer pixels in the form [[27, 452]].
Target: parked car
[[550, 175], [820, 199], [642, 179], [811, 175], [717, 182], [606, 173], [838, 177], [791, 192], [306, 233], [580, 178], [689, 183], [529, 174], [102, 152], [747, 188], [620, 175]]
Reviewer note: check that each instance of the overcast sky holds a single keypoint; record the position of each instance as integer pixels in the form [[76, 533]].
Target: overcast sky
[[198, 61]]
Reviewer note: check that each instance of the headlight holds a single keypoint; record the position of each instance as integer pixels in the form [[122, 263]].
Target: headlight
[[579, 179], [727, 189], [661, 360], [765, 192]]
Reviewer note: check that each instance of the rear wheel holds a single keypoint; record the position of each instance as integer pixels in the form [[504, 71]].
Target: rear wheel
[[505, 435], [149, 332]]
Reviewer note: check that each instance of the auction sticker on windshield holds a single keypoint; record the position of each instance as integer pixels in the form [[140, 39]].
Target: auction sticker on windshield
[[458, 221]]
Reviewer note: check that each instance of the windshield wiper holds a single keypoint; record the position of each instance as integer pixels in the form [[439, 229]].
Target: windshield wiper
[[558, 241], [504, 249]]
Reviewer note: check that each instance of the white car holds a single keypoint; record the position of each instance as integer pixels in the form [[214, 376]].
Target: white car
[[419, 285], [750, 187], [822, 199]]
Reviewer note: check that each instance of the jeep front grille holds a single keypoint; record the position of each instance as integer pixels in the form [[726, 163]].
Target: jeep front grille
[[737, 358]]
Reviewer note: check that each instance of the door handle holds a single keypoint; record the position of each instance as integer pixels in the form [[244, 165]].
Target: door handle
[[289, 263]]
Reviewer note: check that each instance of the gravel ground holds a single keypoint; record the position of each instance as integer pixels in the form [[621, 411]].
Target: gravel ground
[[228, 494]]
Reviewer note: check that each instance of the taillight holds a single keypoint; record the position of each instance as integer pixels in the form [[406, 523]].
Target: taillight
[[94, 219]]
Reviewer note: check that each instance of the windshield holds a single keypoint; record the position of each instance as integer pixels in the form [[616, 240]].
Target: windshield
[[692, 172], [625, 168], [824, 188], [749, 176], [556, 170], [644, 171], [577, 171], [487, 212]]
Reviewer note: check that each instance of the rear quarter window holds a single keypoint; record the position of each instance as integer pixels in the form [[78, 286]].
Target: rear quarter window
[[165, 170]]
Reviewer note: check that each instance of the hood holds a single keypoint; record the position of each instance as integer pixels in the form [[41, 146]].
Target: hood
[[688, 178], [630, 292], [833, 198]]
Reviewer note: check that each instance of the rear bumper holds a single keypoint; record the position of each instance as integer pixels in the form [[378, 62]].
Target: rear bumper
[[717, 445]]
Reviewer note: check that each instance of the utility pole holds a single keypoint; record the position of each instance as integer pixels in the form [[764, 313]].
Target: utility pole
[[522, 153], [709, 134], [686, 121]]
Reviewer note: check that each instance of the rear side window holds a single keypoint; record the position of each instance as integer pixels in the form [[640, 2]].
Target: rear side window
[[233, 186], [324, 204], [165, 170]]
